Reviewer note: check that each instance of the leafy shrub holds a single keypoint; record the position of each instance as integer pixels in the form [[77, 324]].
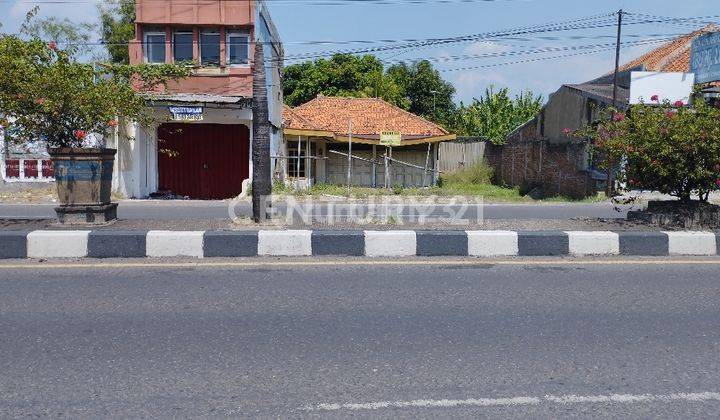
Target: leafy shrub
[[479, 173], [51, 97], [670, 148]]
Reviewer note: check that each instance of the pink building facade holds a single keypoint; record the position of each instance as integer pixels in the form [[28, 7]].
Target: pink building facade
[[213, 37], [216, 39]]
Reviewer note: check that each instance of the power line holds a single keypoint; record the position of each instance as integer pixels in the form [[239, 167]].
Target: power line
[[527, 61], [531, 51], [577, 24]]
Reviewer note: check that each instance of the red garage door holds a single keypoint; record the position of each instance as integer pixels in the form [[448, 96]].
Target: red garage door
[[203, 161]]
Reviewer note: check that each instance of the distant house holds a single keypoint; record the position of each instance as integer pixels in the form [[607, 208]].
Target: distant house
[[318, 134], [539, 154], [201, 148], [25, 162]]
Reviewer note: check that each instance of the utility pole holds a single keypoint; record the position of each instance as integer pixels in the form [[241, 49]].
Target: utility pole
[[609, 188], [261, 186], [617, 57]]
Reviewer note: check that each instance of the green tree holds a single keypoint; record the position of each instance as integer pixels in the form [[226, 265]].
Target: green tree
[[117, 19], [73, 37], [50, 97], [670, 148], [415, 87], [425, 91], [341, 75], [496, 114]]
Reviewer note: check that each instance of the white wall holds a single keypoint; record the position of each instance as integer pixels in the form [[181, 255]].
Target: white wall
[[136, 164]]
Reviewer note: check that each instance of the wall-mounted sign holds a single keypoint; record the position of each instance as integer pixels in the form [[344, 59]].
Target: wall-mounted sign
[[186, 113], [390, 138], [705, 58]]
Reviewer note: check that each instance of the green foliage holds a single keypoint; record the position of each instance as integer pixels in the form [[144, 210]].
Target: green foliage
[[341, 75], [74, 37], [417, 87], [486, 191], [496, 114], [428, 94], [670, 148], [48, 96], [479, 173], [117, 19]]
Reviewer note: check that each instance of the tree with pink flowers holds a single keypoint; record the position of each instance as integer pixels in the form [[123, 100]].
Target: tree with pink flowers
[[668, 147], [49, 96]]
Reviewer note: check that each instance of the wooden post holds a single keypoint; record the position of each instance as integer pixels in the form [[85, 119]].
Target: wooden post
[[427, 162], [387, 170], [308, 163], [349, 160], [297, 164], [373, 175], [390, 183], [435, 163]]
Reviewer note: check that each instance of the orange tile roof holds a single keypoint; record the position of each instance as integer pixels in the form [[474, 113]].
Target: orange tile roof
[[292, 119], [671, 57], [370, 116]]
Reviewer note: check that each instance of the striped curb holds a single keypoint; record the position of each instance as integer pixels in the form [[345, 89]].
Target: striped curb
[[593, 243], [166, 243], [492, 243], [393, 243], [643, 243], [390, 243], [57, 243], [285, 242]]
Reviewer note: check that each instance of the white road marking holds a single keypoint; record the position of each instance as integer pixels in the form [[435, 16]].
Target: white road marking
[[521, 401]]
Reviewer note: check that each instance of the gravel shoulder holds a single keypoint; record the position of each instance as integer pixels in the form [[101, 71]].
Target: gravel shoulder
[[246, 224]]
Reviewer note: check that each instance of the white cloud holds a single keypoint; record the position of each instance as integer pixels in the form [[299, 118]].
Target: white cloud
[[542, 77], [486, 47], [471, 84]]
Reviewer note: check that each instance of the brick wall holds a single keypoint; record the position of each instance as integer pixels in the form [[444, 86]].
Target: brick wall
[[528, 162]]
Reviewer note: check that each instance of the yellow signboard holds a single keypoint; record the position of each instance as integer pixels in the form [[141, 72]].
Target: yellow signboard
[[390, 138]]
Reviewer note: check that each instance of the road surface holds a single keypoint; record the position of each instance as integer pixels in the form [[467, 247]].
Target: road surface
[[410, 340], [176, 210]]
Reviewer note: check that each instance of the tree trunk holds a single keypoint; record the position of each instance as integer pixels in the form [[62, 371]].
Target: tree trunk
[[261, 185]]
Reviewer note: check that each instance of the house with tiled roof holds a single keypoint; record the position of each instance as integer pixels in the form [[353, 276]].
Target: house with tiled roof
[[319, 134], [539, 155]]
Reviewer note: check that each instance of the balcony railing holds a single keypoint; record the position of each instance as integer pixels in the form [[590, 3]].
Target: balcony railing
[[28, 170]]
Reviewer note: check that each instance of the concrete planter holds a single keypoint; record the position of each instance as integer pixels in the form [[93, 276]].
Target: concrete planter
[[84, 181], [676, 214]]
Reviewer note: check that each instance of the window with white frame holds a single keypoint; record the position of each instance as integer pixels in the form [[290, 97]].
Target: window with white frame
[[182, 46], [237, 47], [293, 161], [154, 44], [210, 47]]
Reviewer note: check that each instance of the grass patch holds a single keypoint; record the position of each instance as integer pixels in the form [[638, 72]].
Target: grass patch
[[480, 173], [473, 181]]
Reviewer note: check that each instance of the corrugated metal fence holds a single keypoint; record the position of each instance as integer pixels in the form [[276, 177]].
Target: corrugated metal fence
[[454, 155]]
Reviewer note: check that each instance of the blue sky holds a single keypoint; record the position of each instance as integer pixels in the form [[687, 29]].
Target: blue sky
[[300, 22]]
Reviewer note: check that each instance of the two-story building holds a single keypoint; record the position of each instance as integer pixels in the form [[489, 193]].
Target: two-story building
[[200, 146]]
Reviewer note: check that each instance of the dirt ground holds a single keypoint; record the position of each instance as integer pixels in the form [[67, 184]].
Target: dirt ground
[[28, 193]]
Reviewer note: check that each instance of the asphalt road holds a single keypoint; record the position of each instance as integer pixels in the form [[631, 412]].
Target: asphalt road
[[176, 210], [403, 341]]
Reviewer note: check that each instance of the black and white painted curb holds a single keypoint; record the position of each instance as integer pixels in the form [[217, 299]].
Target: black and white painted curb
[[394, 243]]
